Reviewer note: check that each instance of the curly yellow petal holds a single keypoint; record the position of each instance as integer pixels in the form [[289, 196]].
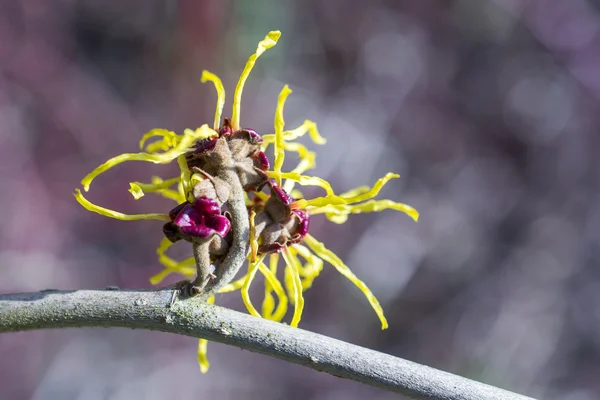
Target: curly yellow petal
[[356, 191], [273, 284], [279, 123], [202, 357], [307, 126], [269, 41], [184, 175], [320, 250], [206, 77], [189, 137], [305, 181], [269, 302], [115, 214], [252, 268], [233, 286], [312, 267], [297, 284], [333, 212], [307, 157], [253, 239], [203, 347], [169, 139], [187, 267], [135, 190], [307, 161], [332, 199], [158, 185], [288, 281]]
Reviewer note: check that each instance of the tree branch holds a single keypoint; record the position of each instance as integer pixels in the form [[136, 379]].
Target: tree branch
[[152, 309]]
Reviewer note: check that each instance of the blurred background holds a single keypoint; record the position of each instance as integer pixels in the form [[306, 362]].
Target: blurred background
[[489, 109]]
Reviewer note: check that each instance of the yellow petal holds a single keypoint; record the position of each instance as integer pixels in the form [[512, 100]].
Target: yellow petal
[[253, 240], [233, 286], [269, 302], [306, 180], [187, 267], [207, 76], [333, 199], [135, 190], [115, 214], [307, 161], [157, 186], [374, 190], [307, 126], [356, 191], [312, 267], [184, 176], [269, 41], [182, 147], [337, 213], [319, 249], [169, 139], [202, 357], [252, 268], [288, 281], [279, 123], [296, 194], [297, 284], [203, 347], [273, 284]]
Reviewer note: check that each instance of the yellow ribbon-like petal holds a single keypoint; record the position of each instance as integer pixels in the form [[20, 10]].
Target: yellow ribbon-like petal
[[273, 284], [187, 267], [307, 127], [169, 139], [233, 286], [253, 239], [158, 185], [279, 123], [208, 76], [339, 213], [307, 161], [135, 190], [297, 286], [312, 267], [269, 41], [203, 347], [252, 268], [361, 196], [115, 214], [189, 137], [184, 176], [269, 302], [305, 181], [320, 250]]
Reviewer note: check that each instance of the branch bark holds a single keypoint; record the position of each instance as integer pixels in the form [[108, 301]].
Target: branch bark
[[154, 310]]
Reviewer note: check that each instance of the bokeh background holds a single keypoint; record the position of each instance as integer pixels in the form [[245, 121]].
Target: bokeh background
[[489, 109]]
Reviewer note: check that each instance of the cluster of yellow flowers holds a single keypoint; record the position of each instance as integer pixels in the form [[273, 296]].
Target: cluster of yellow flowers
[[304, 260]]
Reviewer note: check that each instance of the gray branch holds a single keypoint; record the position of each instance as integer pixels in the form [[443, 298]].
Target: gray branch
[[153, 310]]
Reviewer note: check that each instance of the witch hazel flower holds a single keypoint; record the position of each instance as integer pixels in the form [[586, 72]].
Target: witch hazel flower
[[235, 210]]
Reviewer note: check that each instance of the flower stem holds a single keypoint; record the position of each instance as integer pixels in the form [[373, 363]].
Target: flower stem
[[202, 257], [241, 235]]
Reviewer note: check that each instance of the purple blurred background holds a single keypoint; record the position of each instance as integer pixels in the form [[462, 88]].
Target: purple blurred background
[[488, 109]]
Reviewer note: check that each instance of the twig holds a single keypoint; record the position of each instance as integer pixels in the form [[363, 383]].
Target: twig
[[241, 235], [203, 266], [191, 317]]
